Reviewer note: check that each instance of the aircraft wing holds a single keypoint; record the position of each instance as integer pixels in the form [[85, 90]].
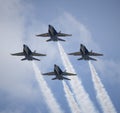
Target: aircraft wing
[[63, 34], [75, 53], [18, 54], [95, 54], [38, 54], [44, 35], [68, 74], [49, 73]]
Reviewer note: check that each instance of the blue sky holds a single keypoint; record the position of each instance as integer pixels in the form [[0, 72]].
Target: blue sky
[[93, 23]]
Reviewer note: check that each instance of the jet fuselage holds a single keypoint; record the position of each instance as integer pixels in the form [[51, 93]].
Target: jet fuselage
[[84, 52], [58, 72], [27, 52], [86, 55], [53, 33]]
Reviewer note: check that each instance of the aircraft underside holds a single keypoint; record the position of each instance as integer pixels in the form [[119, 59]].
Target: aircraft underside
[[60, 78], [54, 38]]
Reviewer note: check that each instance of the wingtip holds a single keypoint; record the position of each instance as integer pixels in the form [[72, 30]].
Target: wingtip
[[37, 35], [100, 54], [43, 54], [74, 75], [79, 59], [94, 59], [11, 54], [44, 74], [38, 59], [69, 35], [69, 53]]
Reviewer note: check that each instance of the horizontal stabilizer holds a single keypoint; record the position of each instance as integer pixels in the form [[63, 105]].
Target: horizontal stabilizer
[[54, 78], [66, 78], [60, 39], [35, 59], [90, 58], [24, 59], [49, 40], [80, 58]]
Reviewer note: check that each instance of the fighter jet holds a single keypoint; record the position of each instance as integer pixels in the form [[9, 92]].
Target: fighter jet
[[85, 53], [28, 54], [53, 34], [59, 73]]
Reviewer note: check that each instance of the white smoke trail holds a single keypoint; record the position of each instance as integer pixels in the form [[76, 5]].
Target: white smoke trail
[[49, 98], [81, 95], [102, 95], [71, 101]]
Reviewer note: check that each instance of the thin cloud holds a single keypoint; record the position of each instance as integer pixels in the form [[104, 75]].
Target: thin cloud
[[15, 79]]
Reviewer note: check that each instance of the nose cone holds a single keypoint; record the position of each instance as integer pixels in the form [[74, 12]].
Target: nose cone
[[81, 45], [49, 25], [24, 45]]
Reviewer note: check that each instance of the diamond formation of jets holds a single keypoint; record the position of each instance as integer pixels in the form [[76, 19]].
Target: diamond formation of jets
[[53, 34], [28, 54], [85, 53], [59, 73]]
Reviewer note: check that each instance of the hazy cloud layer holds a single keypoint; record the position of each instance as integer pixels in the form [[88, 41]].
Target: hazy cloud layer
[[18, 24], [16, 84]]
